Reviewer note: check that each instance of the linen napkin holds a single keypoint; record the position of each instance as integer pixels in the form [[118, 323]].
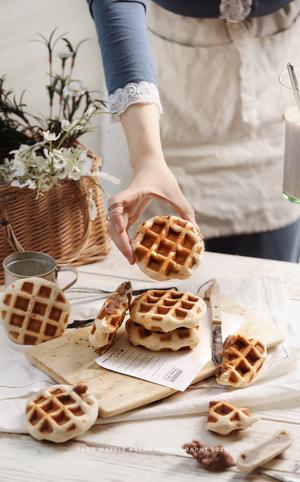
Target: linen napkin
[[278, 383]]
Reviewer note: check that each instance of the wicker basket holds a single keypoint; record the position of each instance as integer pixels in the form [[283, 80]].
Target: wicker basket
[[58, 223]]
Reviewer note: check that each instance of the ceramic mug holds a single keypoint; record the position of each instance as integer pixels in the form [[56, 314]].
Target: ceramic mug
[[29, 263]]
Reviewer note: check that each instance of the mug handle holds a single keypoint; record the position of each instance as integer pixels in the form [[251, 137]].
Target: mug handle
[[73, 270]]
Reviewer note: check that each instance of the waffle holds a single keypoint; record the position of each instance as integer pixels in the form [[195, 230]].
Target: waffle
[[167, 247], [34, 310], [242, 358], [166, 310], [179, 339], [60, 413], [224, 418], [110, 318]]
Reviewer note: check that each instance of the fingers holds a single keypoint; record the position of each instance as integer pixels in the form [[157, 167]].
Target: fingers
[[181, 206], [138, 211], [185, 210], [117, 228], [122, 242]]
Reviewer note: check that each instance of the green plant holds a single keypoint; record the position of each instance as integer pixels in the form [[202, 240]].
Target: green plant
[[71, 104]]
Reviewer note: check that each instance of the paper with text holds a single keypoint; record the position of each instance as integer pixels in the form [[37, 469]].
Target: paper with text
[[172, 369]]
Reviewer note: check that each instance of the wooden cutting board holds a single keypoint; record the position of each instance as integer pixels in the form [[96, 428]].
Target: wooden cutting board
[[69, 359]]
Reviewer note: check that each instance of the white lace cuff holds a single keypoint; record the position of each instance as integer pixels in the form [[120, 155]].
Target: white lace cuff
[[133, 93], [235, 10]]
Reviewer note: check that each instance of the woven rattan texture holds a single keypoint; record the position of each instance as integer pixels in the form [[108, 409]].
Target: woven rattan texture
[[57, 223]]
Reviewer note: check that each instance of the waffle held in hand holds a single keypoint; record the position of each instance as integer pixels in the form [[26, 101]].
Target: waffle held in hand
[[166, 310], [110, 318], [60, 413], [167, 247], [34, 310], [242, 359]]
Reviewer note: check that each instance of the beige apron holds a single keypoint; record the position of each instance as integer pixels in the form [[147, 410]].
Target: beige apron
[[222, 127]]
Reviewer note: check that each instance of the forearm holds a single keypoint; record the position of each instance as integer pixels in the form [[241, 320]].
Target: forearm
[[141, 126], [122, 32]]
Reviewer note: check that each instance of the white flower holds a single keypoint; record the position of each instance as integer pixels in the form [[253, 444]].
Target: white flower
[[107, 177], [92, 205], [50, 136], [22, 149], [18, 167], [85, 164], [74, 89], [90, 111], [71, 126], [15, 183], [30, 183], [65, 125], [64, 55]]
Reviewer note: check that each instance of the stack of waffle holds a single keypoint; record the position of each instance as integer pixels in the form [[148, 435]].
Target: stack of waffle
[[165, 320]]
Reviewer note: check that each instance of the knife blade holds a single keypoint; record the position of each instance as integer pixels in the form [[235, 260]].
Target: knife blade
[[213, 295]]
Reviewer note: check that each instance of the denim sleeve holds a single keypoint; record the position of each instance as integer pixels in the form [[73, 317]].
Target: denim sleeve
[[125, 46]]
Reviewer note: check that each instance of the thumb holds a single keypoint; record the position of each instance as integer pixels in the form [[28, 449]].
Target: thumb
[[185, 210]]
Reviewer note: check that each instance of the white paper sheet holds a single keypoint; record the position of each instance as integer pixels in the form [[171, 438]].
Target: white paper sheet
[[175, 370]]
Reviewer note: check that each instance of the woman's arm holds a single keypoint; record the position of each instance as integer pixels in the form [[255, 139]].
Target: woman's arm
[[127, 59], [152, 179], [124, 42]]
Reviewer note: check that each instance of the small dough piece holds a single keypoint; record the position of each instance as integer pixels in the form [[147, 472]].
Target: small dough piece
[[179, 339], [264, 452], [242, 358], [167, 247], [212, 458], [110, 318], [166, 310], [34, 310], [60, 413], [224, 418]]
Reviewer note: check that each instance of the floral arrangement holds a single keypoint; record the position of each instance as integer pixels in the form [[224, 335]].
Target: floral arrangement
[[41, 152]]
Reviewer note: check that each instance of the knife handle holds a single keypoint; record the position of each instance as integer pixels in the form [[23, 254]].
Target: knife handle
[[215, 305]]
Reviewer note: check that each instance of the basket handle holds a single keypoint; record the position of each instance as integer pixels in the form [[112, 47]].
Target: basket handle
[[86, 230], [9, 232]]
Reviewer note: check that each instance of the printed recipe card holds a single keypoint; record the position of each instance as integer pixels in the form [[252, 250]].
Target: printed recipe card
[[172, 369]]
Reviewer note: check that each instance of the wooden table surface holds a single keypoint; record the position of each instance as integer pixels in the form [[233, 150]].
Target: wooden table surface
[[23, 459]]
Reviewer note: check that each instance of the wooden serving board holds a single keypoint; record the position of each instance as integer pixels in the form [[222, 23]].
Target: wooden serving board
[[70, 359]]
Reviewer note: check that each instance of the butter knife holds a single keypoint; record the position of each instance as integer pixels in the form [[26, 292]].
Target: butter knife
[[213, 296]]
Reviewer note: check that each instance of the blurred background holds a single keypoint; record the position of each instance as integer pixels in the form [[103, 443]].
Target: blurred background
[[25, 65]]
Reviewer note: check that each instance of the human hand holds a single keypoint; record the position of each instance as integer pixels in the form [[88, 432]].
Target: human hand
[[126, 206]]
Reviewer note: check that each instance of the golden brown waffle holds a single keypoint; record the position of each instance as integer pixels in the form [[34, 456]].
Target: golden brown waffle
[[60, 413], [110, 318], [242, 358], [166, 310], [167, 247], [34, 310], [179, 339], [224, 418]]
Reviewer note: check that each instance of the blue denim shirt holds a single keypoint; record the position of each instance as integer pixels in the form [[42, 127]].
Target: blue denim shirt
[[122, 32]]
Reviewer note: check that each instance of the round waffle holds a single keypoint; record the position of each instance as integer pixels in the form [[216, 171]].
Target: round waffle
[[60, 413], [224, 418], [34, 310], [179, 339], [110, 318], [166, 310], [242, 358], [167, 247]]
